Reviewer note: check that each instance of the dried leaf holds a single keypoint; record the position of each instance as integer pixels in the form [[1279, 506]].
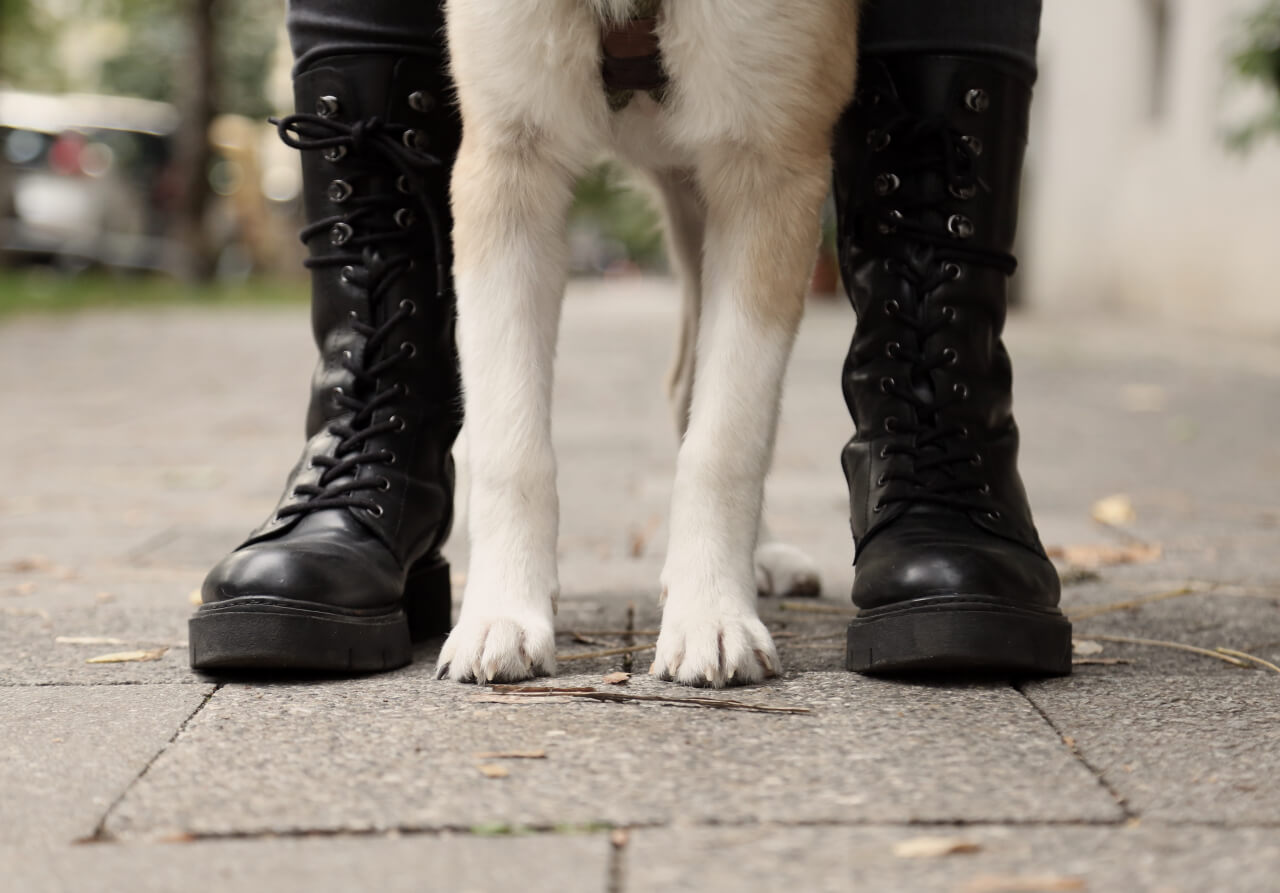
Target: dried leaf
[[512, 755], [1114, 511], [124, 657], [1022, 883], [88, 640], [1085, 647], [493, 770], [933, 847], [617, 679], [29, 565], [1093, 556]]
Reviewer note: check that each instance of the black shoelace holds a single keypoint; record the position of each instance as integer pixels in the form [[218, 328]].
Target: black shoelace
[[939, 163], [376, 253]]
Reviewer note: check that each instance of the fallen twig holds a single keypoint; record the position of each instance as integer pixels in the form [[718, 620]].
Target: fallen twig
[[808, 608], [620, 697], [1099, 610], [607, 632], [1100, 661], [607, 652], [1160, 643], [1251, 657]]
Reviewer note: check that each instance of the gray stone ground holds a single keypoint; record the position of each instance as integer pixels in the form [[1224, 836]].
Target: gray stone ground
[[140, 447]]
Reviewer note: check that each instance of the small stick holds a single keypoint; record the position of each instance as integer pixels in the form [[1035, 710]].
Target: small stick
[[535, 689], [806, 608], [1130, 640], [1257, 660], [607, 632], [619, 697], [607, 652], [583, 640], [1099, 610]]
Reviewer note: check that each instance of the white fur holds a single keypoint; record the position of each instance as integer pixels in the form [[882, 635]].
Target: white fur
[[740, 153]]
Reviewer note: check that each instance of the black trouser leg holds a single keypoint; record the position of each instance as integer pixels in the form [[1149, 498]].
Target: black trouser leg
[[1004, 28], [319, 28]]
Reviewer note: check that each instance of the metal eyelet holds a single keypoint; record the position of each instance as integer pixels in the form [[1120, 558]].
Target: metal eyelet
[[335, 153], [878, 140], [977, 100], [884, 452], [348, 275], [338, 391], [891, 425], [328, 106], [339, 191], [409, 307], [964, 433], [881, 481], [377, 511], [891, 225], [892, 307], [341, 233], [974, 144], [409, 350], [415, 139], [405, 218], [961, 390], [384, 484], [976, 461], [953, 271], [878, 508], [960, 226], [347, 355], [391, 458], [421, 101], [887, 184], [985, 489], [949, 354], [994, 516], [398, 422], [963, 193], [886, 383], [949, 313], [891, 350], [403, 185]]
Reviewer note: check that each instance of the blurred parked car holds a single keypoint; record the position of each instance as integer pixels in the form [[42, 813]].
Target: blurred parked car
[[89, 181]]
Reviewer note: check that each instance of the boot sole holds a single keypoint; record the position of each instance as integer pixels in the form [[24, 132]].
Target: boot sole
[[271, 633], [965, 634]]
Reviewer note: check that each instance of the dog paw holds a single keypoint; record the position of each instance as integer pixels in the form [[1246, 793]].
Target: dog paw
[[786, 572], [498, 649], [714, 650]]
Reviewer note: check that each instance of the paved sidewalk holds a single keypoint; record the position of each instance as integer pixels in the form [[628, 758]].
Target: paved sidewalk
[[140, 447]]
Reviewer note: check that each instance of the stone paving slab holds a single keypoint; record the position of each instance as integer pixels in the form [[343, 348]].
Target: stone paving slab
[[1186, 749], [561, 863], [398, 752], [67, 753], [1065, 858]]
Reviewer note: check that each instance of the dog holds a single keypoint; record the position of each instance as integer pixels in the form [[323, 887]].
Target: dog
[[736, 139]]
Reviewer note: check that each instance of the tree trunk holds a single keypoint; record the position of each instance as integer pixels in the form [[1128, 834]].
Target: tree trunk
[[194, 154]]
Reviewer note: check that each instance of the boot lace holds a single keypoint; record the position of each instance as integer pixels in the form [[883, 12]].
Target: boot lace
[[927, 248], [377, 233]]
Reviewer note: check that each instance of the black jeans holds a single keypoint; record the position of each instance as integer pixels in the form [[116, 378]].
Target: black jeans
[[1007, 28]]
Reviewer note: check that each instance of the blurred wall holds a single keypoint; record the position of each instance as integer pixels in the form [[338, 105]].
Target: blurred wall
[[1134, 200]]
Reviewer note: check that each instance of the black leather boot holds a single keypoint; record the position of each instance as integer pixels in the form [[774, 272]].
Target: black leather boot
[[951, 574], [347, 570]]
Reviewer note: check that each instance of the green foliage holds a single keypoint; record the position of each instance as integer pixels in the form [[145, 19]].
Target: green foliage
[[44, 291], [622, 214], [1258, 61], [150, 61]]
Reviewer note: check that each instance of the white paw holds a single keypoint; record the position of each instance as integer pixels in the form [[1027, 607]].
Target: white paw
[[786, 572], [709, 648], [487, 649]]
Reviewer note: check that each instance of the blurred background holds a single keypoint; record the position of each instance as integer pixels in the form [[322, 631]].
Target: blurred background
[[134, 152]]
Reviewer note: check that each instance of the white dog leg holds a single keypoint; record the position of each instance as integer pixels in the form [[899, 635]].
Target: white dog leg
[[510, 202], [761, 231]]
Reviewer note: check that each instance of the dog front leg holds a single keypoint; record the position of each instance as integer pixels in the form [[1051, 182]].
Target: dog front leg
[[761, 231], [510, 202]]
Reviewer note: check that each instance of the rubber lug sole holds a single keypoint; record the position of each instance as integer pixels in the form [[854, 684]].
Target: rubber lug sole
[[288, 635], [964, 634]]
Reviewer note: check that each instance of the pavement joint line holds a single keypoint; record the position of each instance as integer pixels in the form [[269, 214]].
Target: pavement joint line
[[100, 833], [1070, 745]]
